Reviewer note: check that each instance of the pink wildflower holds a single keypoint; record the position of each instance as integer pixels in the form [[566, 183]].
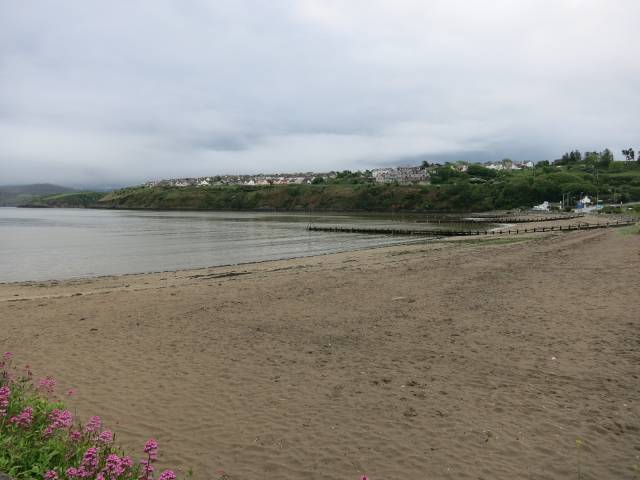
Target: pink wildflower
[[147, 469], [59, 419], [51, 475], [6, 356], [47, 385], [116, 466], [71, 392], [90, 459], [24, 419], [105, 437], [167, 475], [364, 477], [75, 436], [4, 400], [151, 448], [82, 472], [93, 425]]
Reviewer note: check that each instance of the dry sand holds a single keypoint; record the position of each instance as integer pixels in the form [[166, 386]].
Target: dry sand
[[449, 360]]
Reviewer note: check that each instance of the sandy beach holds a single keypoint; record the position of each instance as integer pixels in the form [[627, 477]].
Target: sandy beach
[[467, 359]]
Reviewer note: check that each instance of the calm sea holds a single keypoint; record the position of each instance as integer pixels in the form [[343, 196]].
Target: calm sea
[[44, 244]]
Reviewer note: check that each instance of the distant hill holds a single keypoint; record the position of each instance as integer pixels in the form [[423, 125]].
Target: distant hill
[[12, 195], [66, 200], [363, 197]]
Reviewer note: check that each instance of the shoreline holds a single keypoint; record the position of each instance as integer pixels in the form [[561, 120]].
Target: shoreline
[[260, 210], [293, 211]]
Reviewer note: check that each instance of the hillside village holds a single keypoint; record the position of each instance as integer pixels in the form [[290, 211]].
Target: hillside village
[[588, 183], [402, 175]]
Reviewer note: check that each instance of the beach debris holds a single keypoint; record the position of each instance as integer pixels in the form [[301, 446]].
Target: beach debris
[[410, 412]]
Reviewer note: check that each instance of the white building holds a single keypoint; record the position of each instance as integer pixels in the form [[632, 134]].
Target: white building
[[402, 175], [495, 166]]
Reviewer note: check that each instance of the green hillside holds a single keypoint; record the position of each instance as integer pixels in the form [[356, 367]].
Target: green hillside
[[288, 197], [451, 189], [476, 189]]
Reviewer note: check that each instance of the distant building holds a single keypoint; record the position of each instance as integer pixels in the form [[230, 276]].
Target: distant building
[[494, 166], [401, 175], [586, 205]]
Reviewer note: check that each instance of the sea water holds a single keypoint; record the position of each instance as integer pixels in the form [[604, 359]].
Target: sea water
[[45, 244]]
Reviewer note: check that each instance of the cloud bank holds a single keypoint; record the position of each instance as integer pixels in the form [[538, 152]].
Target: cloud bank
[[120, 92]]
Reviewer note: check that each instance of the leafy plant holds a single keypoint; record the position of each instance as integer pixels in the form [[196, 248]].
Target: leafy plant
[[40, 439]]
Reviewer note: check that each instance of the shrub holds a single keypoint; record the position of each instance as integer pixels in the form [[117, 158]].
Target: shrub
[[40, 439]]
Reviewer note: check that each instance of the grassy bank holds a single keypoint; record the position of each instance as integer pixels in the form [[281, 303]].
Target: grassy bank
[[362, 197]]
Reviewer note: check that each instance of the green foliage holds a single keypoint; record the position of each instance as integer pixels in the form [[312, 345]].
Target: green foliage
[[477, 189], [26, 453], [40, 439], [476, 170], [629, 154], [363, 196], [569, 158], [628, 210], [347, 177], [444, 174]]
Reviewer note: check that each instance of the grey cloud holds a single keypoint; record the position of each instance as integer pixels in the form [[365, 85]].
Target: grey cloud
[[120, 92]]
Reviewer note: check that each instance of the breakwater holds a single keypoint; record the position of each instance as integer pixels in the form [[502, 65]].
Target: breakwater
[[465, 233]]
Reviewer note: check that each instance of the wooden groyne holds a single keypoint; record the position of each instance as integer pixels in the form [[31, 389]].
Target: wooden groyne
[[466, 233]]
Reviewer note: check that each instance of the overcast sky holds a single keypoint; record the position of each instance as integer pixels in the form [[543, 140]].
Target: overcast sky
[[121, 91]]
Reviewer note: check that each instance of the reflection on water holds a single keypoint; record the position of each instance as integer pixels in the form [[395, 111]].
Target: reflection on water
[[39, 244]]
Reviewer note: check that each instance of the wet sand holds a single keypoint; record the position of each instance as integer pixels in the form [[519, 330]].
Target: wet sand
[[464, 359]]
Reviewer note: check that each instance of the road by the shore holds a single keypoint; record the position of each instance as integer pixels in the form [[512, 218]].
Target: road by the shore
[[467, 359]]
